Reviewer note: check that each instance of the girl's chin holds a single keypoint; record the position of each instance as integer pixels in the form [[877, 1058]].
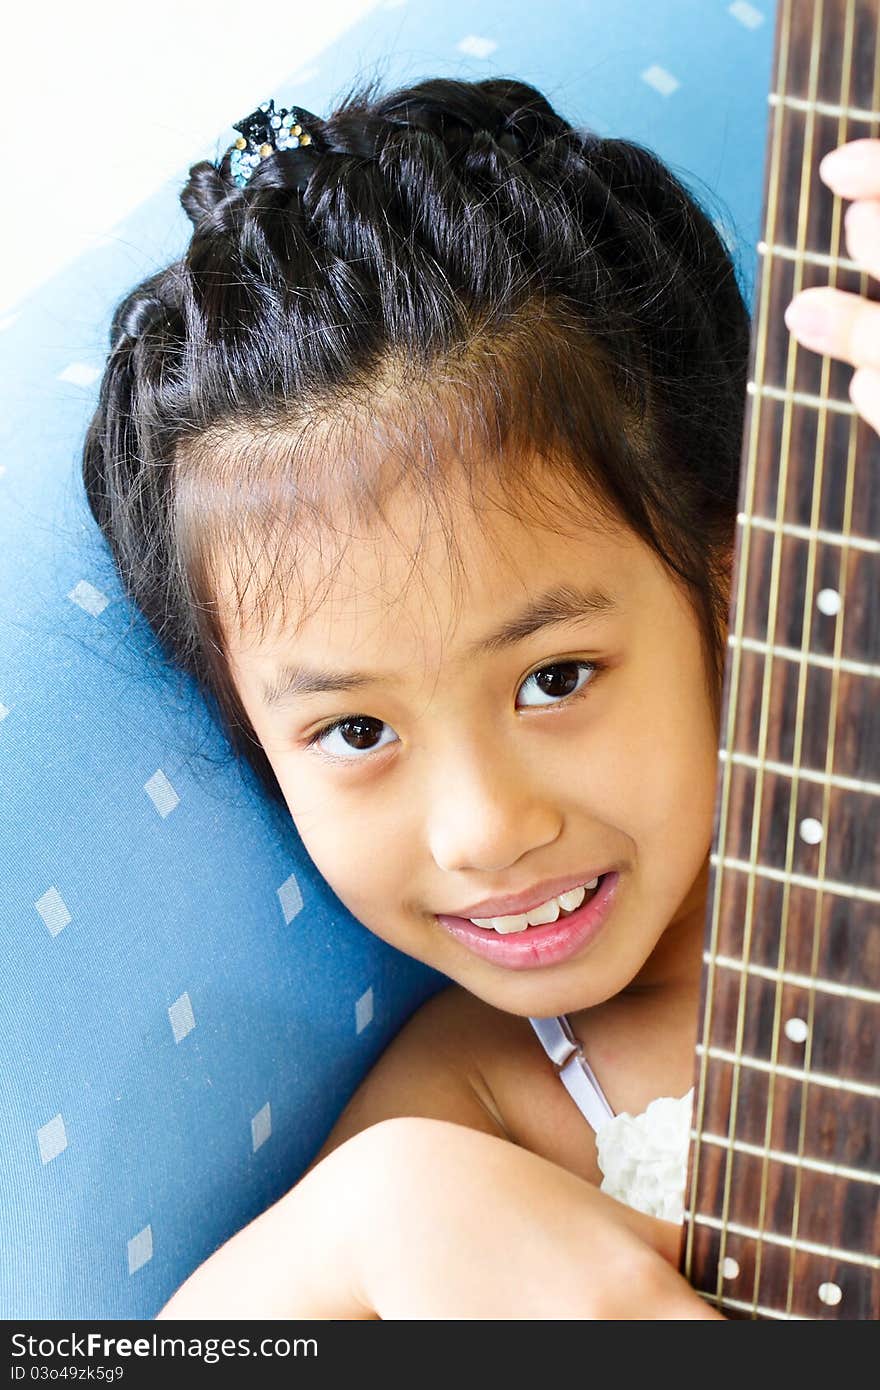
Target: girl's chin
[[531, 994]]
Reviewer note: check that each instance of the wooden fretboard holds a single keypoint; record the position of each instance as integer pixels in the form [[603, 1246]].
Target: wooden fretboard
[[782, 1206]]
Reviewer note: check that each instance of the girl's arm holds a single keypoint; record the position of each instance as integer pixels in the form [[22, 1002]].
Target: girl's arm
[[484, 1229], [428, 1219]]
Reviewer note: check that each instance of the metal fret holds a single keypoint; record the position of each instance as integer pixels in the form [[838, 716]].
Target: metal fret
[[788, 528], [810, 1078], [803, 774], [759, 1309], [810, 1247], [789, 253], [788, 977], [816, 1165], [824, 108], [777, 393], [826, 885], [854, 668]]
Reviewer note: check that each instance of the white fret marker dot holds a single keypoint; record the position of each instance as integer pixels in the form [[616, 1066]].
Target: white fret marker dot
[[830, 1294], [796, 1029], [828, 601], [729, 1267], [811, 830]]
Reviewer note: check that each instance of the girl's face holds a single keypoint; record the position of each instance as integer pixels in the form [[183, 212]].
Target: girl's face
[[556, 722]]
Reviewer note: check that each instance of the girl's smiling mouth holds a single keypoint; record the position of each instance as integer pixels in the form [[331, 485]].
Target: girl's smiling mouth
[[547, 944], [512, 903]]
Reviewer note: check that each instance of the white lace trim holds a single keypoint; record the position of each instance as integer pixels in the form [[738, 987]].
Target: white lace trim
[[644, 1157]]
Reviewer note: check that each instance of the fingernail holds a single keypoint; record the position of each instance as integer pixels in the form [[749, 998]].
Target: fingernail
[[807, 319]]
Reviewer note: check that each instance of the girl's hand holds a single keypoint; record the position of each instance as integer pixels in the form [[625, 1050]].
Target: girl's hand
[[460, 1224], [847, 326]]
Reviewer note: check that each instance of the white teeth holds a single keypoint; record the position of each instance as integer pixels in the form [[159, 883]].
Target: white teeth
[[545, 912], [572, 899], [504, 925]]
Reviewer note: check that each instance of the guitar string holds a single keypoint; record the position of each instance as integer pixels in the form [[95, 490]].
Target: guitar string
[[836, 667], [810, 106], [804, 205], [807, 175], [734, 664], [780, 87], [874, 124]]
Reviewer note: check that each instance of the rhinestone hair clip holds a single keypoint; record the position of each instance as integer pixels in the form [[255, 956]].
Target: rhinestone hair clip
[[264, 132]]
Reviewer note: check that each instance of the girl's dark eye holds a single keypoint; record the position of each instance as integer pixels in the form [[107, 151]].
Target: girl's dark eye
[[357, 730], [558, 681], [356, 734]]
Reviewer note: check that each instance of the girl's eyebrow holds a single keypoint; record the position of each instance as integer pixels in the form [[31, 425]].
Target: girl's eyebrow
[[562, 604]]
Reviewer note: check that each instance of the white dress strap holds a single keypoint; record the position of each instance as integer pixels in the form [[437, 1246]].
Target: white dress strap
[[575, 1072]]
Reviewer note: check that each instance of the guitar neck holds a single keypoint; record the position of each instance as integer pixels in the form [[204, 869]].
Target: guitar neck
[[782, 1206]]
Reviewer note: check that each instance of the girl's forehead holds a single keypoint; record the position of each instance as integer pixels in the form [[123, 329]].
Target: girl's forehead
[[280, 534], [430, 577]]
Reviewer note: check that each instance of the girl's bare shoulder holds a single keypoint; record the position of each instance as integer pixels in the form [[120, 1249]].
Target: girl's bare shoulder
[[509, 1069], [639, 1047], [460, 1059]]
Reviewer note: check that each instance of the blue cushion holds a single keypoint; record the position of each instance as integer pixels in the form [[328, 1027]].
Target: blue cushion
[[186, 1005]]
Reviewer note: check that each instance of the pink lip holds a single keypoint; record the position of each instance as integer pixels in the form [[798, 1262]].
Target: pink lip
[[532, 897], [537, 946]]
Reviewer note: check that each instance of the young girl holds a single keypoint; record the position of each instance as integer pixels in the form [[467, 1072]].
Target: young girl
[[423, 460]]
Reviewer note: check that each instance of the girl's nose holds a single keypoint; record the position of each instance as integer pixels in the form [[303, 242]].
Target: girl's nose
[[485, 816]]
